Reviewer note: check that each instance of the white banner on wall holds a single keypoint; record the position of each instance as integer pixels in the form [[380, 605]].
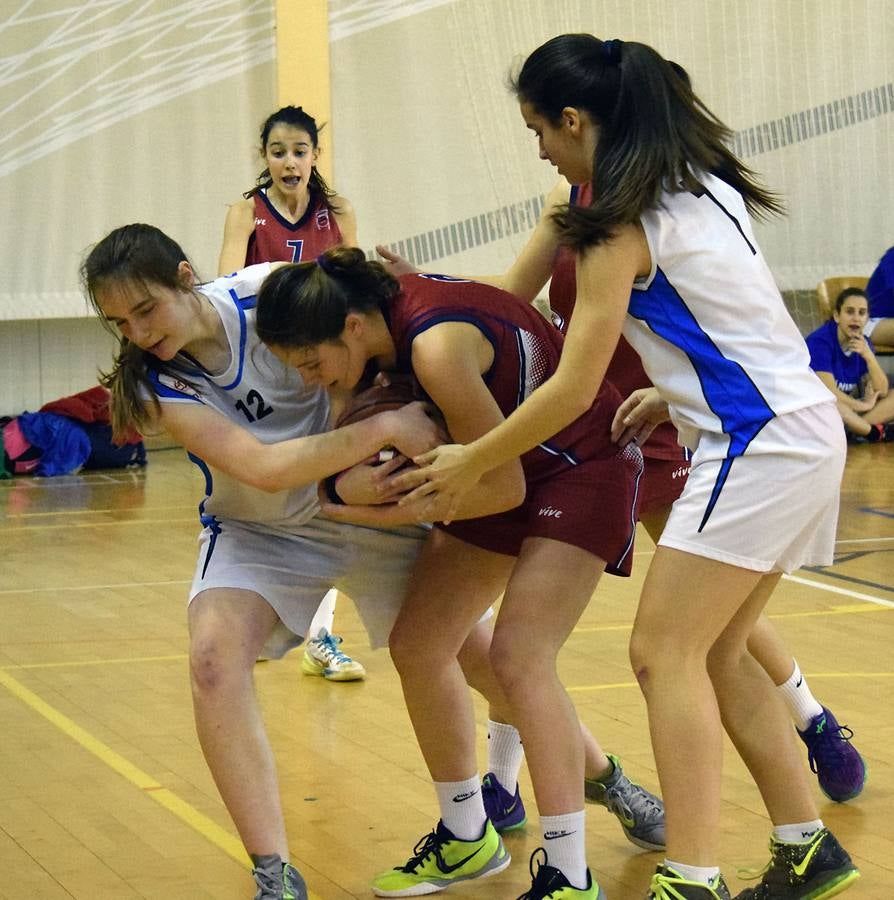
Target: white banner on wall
[[430, 138], [147, 110], [120, 111]]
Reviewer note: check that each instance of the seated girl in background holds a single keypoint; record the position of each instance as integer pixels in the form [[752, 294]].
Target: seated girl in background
[[842, 355]]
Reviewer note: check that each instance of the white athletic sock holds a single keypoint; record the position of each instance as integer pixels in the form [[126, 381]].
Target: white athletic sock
[[462, 807], [564, 839], [323, 617], [698, 874], [802, 705], [504, 753], [798, 833]]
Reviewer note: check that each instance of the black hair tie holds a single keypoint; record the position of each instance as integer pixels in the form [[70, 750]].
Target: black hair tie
[[325, 264], [611, 51]]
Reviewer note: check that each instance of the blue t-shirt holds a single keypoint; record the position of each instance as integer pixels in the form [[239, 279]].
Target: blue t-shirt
[[880, 289], [826, 355]]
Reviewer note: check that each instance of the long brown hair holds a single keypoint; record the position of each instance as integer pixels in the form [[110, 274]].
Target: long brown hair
[[141, 254], [655, 134]]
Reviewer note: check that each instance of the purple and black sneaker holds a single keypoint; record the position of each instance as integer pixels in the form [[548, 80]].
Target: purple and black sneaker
[[833, 758], [507, 812]]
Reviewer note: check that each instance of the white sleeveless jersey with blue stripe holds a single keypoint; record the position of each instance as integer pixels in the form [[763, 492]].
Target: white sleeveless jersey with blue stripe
[[257, 392], [710, 325]]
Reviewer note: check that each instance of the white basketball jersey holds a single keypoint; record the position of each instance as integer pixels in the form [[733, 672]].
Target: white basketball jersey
[[258, 393], [710, 325]]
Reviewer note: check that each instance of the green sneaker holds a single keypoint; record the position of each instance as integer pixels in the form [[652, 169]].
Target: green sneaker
[[667, 884], [279, 881], [440, 859], [813, 870], [640, 813], [549, 882]]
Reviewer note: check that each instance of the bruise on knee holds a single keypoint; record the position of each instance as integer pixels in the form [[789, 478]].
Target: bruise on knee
[[205, 670]]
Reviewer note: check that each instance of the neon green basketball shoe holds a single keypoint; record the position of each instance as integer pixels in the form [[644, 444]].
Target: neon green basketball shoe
[[440, 859]]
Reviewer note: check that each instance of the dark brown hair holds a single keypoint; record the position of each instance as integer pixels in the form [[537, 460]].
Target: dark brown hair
[[655, 134], [296, 117], [306, 304], [140, 254]]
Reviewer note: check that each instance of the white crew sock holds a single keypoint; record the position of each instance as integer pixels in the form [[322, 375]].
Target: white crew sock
[[797, 833], [504, 753], [462, 807], [564, 839], [323, 617], [802, 705], [698, 874]]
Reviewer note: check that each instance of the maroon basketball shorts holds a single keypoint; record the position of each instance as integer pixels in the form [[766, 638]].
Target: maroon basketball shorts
[[663, 481], [593, 505]]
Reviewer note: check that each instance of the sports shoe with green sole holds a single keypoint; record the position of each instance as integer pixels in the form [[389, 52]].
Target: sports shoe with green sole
[[280, 882], [548, 881], [838, 766], [668, 884], [440, 859], [322, 657], [814, 870], [640, 813], [505, 810]]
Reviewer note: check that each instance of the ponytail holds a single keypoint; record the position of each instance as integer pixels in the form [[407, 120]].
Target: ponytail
[[306, 304], [128, 383], [131, 254], [655, 134]]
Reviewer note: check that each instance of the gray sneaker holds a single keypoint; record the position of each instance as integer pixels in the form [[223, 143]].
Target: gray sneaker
[[640, 813], [279, 881]]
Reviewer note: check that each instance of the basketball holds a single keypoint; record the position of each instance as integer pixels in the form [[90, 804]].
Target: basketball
[[401, 390]]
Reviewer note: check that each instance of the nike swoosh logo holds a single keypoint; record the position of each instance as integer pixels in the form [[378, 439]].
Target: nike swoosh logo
[[800, 682], [801, 868], [459, 798], [552, 835], [448, 869]]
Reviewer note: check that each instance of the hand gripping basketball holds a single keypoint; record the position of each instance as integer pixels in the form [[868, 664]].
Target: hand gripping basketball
[[368, 482]]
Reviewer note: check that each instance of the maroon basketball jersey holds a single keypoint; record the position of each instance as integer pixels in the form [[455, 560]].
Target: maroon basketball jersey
[[526, 353], [275, 239], [625, 370]]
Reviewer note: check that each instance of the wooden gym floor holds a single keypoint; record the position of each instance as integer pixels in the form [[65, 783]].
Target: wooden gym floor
[[104, 794]]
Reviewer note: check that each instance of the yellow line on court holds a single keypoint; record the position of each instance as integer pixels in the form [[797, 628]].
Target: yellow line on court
[[92, 662], [16, 529], [96, 512], [126, 585], [592, 688], [199, 822], [850, 675], [834, 611], [585, 688], [137, 777], [592, 629]]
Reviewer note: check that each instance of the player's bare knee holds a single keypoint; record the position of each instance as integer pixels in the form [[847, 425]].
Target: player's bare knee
[[513, 662], [209, 669], [476, 668]]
